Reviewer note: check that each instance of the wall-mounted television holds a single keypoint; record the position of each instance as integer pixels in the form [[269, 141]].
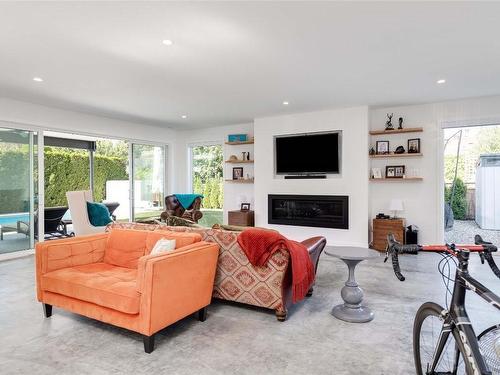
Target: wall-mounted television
[[308, 154]]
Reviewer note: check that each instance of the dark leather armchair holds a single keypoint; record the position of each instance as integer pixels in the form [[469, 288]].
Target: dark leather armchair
[[315, 246], [174, 208]]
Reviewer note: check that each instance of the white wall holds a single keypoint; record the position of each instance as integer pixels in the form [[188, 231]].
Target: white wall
[[215, 135], [353, 180], [424, 200]]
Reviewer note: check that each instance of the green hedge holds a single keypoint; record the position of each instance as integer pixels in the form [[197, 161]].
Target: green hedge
[[212, 191], [14, 182], [70, 171], [64, 171]]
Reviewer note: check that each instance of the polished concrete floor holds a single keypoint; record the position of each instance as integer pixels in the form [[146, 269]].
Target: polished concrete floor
[[236, 339]]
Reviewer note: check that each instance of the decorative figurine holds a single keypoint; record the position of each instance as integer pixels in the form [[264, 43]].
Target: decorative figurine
[[243, 155], [248, 155], [372, 151], [400, 123], [399, 150], [388, 124]]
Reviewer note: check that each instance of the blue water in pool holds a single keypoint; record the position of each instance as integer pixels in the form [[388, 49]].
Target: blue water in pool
[[12, 219]]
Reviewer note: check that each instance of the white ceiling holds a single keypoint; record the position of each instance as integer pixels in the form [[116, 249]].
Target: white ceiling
[[232, 62]]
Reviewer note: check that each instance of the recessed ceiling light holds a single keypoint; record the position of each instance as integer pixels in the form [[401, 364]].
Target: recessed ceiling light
[[184, 116], [285, 103], [167, 42], [440, 81], [37, 79]]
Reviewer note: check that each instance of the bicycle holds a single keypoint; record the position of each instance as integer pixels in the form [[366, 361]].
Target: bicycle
[[435, 327]]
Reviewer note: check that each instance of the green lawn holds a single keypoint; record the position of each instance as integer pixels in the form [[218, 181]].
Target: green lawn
[[211, 217]]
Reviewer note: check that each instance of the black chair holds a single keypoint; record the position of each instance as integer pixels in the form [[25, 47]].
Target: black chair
[[53, 225], [112, 206]]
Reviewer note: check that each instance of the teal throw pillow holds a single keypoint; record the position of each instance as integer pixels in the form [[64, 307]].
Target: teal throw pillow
[[98, 214]]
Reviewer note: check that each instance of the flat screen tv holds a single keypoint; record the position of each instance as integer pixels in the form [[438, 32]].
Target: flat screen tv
[[308, 154]]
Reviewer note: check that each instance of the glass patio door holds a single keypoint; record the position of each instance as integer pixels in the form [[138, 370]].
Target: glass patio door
[[18, 165], [147, 181]]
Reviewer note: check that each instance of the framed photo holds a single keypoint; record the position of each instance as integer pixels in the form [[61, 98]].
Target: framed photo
[[382, 147], [245, 207], [414, 146], [376, 173], [394, 171], [237, 173]]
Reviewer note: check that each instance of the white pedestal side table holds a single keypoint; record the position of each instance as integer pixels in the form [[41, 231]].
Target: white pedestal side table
[[352, 309]]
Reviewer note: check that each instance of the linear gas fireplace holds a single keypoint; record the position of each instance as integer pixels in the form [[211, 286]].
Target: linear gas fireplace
[[326, 211]]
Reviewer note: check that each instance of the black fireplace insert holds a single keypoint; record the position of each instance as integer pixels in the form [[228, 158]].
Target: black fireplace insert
[[325, 211]]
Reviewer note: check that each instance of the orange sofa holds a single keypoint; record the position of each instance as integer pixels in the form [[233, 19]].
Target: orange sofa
[[112, 277]]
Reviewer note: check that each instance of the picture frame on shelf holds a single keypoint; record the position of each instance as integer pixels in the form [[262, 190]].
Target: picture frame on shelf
[[394, 171], [414, 146], [376, 173], [237, 173], [382, 147], [245, 207]]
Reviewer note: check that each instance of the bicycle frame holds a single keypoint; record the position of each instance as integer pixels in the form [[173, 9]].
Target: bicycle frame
[[457, 319]]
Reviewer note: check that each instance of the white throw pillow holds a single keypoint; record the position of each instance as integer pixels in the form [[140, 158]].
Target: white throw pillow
[[163, 246]]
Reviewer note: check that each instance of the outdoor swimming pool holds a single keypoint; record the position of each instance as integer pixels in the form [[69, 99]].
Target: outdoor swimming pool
[[12, 219]]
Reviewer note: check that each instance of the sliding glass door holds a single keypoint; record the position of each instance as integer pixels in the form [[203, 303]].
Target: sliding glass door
[[18, 198], [148, 181]]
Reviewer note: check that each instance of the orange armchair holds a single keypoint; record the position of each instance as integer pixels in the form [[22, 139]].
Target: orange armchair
[[112, 277]]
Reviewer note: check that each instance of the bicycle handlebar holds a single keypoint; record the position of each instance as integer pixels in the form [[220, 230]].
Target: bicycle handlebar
[[394, 248], [488, 249]]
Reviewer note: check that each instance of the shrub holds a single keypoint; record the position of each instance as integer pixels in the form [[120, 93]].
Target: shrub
[[70, 171], [212, 191], [64, 171], [459, 204]]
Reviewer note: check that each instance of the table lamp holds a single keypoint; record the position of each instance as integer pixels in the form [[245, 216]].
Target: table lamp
[[395, 206]]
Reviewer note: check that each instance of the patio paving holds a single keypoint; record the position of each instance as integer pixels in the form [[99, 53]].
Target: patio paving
[[14, 242], [464, 231]]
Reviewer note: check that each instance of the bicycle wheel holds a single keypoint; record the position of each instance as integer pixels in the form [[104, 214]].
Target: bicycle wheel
[[426, 333], [489, 343]]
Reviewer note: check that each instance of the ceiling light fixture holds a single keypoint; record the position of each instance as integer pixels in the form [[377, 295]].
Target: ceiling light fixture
[[167, 42], [37, 79], [184, 116], [440, 81], [285, 103]]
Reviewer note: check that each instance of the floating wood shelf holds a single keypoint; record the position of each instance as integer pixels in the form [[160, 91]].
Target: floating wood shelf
[[396, 131], [243, 181], [239, 161], [250, 142], [393, 155], [396, 179]]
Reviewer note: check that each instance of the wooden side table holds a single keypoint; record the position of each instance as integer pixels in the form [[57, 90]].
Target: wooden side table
[[241, 218], [382, 227]]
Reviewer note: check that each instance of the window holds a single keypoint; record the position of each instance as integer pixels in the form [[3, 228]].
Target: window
[[148, 165], [206, 179]]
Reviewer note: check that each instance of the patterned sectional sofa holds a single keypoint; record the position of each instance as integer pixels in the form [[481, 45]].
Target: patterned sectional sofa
[[236, 279]]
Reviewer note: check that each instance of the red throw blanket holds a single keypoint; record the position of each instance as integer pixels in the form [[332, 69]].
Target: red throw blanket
[[259, 244]]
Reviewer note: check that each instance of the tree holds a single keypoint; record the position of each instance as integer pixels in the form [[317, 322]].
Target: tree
[[488, 140], [459, 204], [117, 149], [207, 174], [207, 162], [206, 193], [214, 193], [449, 168]]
